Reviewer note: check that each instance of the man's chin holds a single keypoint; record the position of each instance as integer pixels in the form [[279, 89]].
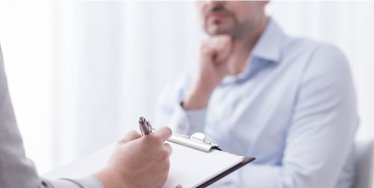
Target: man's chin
[[217, 30]]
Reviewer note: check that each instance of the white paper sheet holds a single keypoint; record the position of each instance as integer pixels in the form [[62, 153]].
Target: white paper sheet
[[188, 167]]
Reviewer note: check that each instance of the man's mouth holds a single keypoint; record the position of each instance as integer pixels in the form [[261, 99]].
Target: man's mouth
[[217, 14]]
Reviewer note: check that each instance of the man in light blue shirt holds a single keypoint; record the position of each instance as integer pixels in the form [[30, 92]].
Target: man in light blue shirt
[[290, 102]]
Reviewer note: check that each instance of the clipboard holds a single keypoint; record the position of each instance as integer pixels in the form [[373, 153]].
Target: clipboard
[[195, 162], [206, 162]]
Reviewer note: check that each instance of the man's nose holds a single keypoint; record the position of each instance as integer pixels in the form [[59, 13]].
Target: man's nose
[[215, 3]]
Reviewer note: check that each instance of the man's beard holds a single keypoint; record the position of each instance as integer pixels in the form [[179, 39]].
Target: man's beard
[[218, 27]]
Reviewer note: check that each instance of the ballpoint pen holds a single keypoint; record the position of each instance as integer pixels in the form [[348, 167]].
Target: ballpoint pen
[[196, 141], [144, 126]]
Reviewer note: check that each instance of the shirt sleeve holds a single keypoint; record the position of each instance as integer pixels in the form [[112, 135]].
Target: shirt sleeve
[[87, 182], [320, 139], [171, 113]]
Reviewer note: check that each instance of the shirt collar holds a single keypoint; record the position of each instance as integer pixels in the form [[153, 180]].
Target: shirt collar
[[269, 45], [266, 50]]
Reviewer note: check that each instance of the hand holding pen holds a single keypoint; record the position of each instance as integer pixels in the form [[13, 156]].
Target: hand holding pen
[[138, 161], [146, 129]]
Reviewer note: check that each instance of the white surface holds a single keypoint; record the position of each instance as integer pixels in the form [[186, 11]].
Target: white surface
[[188, 167], [83, 167]]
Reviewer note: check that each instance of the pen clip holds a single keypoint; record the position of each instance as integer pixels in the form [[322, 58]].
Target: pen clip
[[196, 141]]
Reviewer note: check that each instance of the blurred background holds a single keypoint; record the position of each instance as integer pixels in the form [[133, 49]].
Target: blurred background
[[81, 73]]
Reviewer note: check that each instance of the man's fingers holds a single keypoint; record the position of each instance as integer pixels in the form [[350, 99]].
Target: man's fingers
[[219, 47], [163, 133], [221, 40], [224, 45], [132, 135], [168, 148]]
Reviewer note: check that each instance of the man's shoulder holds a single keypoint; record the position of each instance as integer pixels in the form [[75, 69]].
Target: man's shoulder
[[308, 45], [309, 59], [312, 44], [313, 53]]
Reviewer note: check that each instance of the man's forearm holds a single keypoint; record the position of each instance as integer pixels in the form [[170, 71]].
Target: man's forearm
[[198, 97]]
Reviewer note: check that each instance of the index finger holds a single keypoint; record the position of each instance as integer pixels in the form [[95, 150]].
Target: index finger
[[163, 133]]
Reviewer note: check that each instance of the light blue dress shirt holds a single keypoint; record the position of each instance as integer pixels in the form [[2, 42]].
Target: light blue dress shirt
[[293, 108]]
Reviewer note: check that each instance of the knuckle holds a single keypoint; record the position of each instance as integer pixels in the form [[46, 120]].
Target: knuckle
[[164, 154], [158, 140], [165, 165]]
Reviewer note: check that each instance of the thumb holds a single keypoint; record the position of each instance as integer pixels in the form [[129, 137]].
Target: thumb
[[163, 133]]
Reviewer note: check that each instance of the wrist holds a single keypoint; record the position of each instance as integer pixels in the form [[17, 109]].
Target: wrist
[[110, 179], [196, 101]]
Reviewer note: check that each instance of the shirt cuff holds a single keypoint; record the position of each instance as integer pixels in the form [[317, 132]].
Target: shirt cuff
[[188, 122], [87, 182]]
